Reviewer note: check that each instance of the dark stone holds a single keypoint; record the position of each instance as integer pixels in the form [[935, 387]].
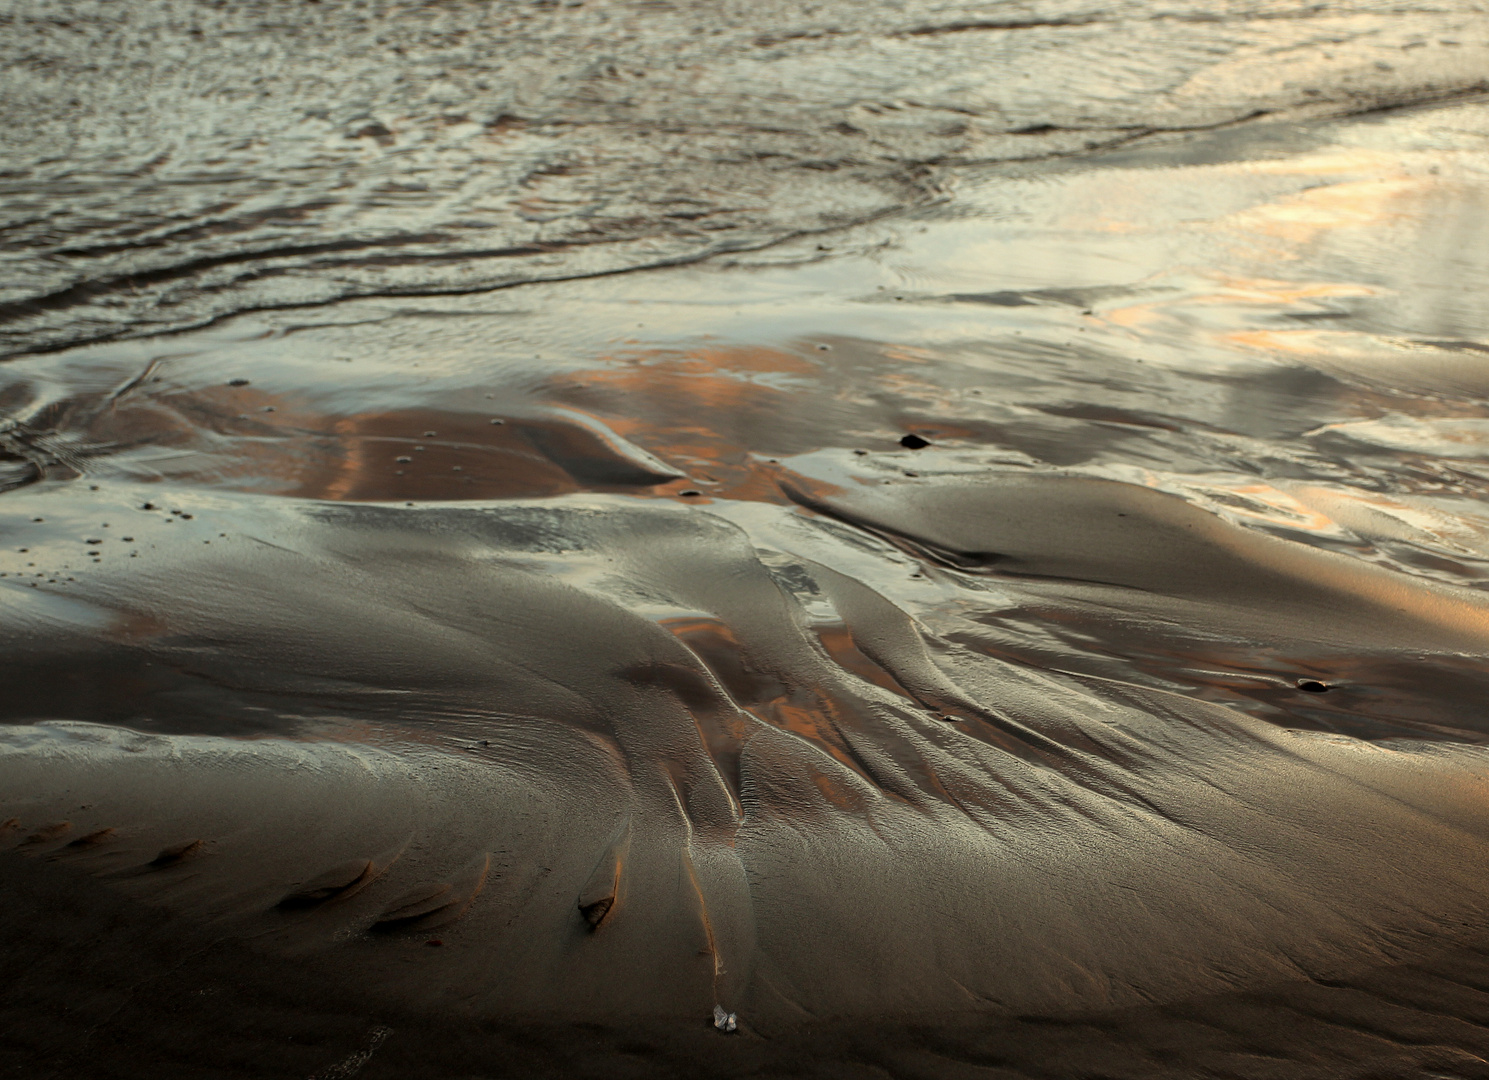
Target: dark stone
[[595, 913]]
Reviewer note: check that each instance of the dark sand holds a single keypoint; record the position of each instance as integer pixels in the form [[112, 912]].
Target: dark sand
[[1025, 619]]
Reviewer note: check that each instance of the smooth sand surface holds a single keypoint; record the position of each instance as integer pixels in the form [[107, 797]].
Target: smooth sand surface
[[806, 815]]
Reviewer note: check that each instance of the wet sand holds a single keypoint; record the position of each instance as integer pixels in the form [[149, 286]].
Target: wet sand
[[997, 613]]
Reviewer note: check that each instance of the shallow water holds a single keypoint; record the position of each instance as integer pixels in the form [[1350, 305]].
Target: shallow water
[[967, 573]]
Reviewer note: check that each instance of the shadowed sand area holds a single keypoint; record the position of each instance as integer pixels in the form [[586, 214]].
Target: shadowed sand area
[[370, 726], [997, 613]]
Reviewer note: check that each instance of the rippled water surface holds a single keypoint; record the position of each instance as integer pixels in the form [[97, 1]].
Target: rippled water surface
[[955, 532]]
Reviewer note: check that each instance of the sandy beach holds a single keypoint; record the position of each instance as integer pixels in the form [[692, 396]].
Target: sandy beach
[[647, 540]]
